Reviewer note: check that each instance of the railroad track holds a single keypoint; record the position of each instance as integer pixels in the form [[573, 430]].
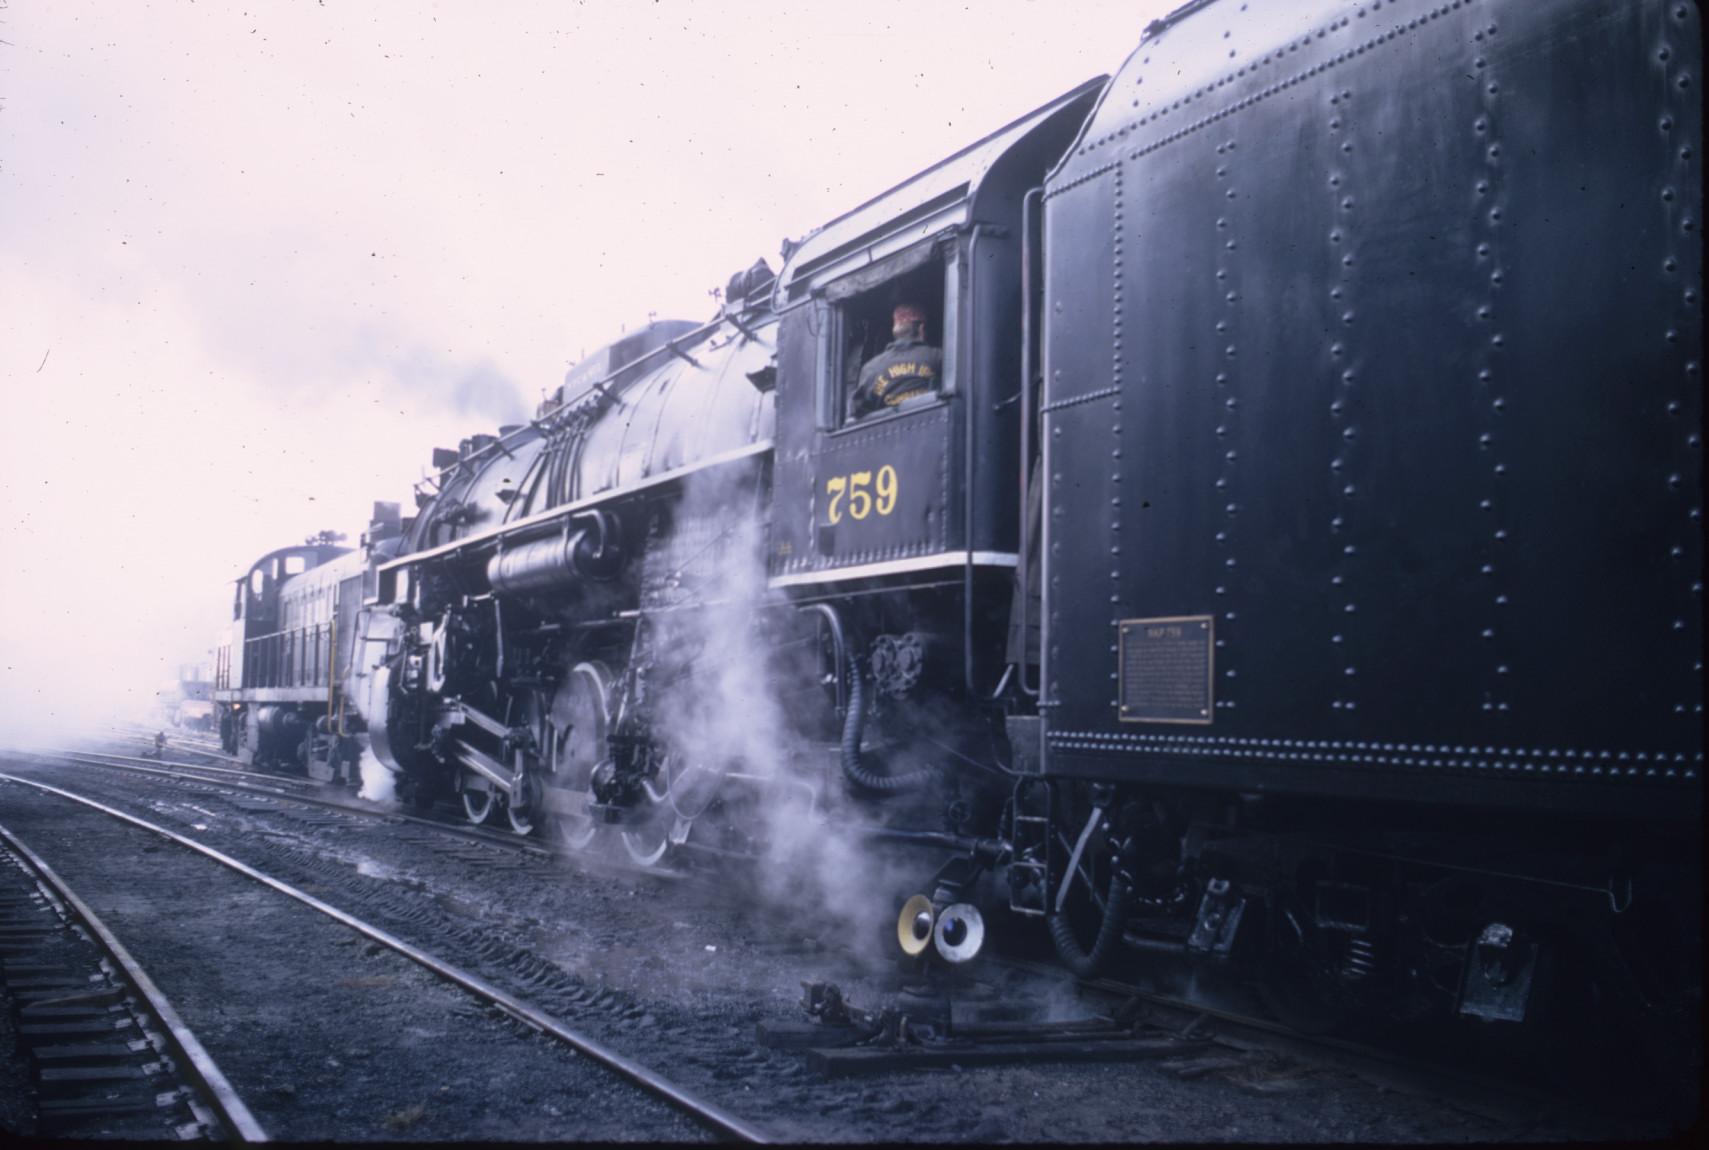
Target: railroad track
[[253, 777], [1241, 1043], [1244, 1037], [711, 1117], [1266, 1056], [109, 1049], [1219, 1056], [312, 792], [1122, 1023], [176, 737], [304, 792]]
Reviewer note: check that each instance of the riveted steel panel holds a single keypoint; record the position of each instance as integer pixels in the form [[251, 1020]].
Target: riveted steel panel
[[1410, 399], [1082, 251], [882, 491]]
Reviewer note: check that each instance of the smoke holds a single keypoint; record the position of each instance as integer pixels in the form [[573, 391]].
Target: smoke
[[1053, 998]]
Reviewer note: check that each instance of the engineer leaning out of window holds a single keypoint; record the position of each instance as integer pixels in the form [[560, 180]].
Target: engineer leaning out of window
[[907, 368]]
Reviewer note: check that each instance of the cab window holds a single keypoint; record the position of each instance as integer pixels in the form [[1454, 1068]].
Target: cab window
[[859, 322]]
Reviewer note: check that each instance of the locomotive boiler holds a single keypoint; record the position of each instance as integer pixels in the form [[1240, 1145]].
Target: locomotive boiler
[[1296, 569]]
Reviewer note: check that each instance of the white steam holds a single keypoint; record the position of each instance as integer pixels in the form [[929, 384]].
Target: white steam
[[732, 716], [378, 785]]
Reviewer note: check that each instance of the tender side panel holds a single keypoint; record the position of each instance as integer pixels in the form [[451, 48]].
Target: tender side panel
[[1404, 338]]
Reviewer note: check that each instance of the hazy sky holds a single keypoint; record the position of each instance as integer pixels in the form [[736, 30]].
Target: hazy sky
[[258, 259]]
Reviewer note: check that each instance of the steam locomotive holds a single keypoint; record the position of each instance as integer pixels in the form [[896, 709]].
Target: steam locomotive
[[1298, 568]]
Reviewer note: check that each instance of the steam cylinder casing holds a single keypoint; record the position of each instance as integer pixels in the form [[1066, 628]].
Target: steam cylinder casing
[[549, 564]]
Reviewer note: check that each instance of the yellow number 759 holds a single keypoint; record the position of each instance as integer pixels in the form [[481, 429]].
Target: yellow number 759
[[861, 501]]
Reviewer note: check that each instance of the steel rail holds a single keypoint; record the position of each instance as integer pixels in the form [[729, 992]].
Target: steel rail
[[648, 1080], [529, 845], [147, 731], [179, 735], [491, 838], [193, 1056], [989, 850], [193, 749], [192, 746], [212, 750], [141, 763]]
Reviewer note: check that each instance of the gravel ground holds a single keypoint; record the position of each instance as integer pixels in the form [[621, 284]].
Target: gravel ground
[[327, 1036], [16, 1114], [674, 972]]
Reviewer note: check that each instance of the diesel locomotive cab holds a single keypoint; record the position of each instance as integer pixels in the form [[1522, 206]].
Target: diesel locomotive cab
[[276, 668], [286, 672]]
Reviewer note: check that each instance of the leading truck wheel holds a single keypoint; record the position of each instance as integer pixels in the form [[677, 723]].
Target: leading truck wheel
[[477, 799], [521, 804], [647, 843]]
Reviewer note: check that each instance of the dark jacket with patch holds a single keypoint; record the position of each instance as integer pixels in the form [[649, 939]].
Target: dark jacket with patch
[[901, 371]]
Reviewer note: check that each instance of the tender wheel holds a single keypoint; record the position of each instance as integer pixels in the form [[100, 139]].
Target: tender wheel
[[477, 800]]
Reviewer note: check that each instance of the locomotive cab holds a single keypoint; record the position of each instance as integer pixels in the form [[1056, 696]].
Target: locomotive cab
[[919, 495]]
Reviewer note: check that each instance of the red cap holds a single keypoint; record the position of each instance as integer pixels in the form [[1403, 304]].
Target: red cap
[[907, 313]]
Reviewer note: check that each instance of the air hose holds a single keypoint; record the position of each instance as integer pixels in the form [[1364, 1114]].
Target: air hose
[[1089, 964], [853, 770]]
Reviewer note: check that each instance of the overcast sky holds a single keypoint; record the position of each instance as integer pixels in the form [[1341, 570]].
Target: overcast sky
[[258, 259]]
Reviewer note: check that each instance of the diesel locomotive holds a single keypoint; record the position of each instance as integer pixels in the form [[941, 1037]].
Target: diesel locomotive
[[1297, 566]]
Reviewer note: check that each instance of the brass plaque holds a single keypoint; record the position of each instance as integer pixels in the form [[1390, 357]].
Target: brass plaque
[[1167, 669]]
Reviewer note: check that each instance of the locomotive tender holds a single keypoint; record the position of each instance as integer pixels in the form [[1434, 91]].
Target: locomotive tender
[[1299, 565]]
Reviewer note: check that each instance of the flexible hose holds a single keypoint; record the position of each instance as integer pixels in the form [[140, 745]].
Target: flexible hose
[[853, 770], [1089, 964]]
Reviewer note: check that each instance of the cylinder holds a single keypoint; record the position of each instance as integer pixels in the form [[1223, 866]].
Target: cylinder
[[280, 723], [543, 565]]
